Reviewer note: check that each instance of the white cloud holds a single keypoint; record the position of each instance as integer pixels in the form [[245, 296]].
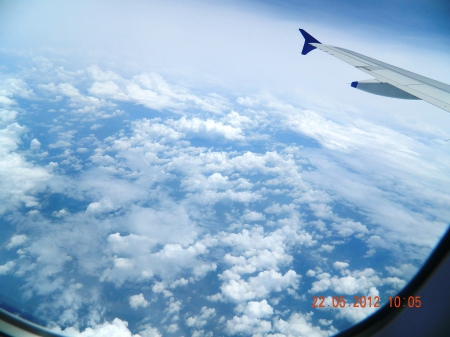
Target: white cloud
[[59, 144], [300, 324], [5, 268], [61, 213], [406, 270], [356, 314], [35, 144], [395, 282], [95, 126], [349, 227], [327, 248], [7, 116], [253, 216], [16, 240], [117, 328], [259, 286], [358, 281], [152, 91], [202, 319], [20, 179], [259, 309], [247, 325], [340, 265], [5, 101], [207, 128], [137, 301], [172, 328], [311, 273]]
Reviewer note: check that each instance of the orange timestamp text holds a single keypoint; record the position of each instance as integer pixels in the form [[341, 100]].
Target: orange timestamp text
[[403, 302], [341, 302]]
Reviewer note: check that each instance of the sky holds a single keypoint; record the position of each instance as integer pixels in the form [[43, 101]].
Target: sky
[[179, 168]]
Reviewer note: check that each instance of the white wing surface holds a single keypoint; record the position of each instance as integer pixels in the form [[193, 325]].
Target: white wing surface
[[390, 81]]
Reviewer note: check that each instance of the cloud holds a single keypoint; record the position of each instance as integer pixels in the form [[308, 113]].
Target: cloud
[[340, 265], [356, 314], [247, 325], [152, 91], [117, 328], [35, 144], [5, 101], [259, 309], [59, 144], [21, 180], [207, 129], [350, 284], [348, 227], [5, 268], [137, 301], [259, 286], [405, 270], [202, 319], [300, 324], [16, 240]]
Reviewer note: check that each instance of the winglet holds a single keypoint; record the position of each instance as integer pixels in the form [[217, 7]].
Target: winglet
[[308, 39]]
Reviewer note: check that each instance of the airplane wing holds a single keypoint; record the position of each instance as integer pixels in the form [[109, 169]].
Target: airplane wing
[[389, 80]]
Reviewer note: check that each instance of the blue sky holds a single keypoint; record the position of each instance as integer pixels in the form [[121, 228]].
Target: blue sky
[[392, 19], [186, 159]]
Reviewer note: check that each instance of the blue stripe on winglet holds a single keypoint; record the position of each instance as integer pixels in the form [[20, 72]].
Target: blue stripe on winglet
[[354, 84], [308, 39]]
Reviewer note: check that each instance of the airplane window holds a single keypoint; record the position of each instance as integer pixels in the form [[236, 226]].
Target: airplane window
[[181, 169]]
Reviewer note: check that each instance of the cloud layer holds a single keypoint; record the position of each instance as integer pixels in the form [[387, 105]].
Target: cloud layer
[[191, 212]]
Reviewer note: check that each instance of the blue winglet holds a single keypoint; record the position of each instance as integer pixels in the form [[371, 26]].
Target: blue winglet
[[308, 39]]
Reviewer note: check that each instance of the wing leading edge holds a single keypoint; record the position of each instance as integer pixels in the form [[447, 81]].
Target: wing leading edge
[[389, 80]]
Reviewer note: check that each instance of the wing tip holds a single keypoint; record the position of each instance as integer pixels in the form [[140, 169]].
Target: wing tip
[[308, 39]]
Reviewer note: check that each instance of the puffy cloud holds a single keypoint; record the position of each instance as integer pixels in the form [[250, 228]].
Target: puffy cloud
[[247, 325], [20, 179], [16, 240], [300, 324], [172, 328], [356, 314], [357, 281], [137, 301], [61, 213], [152, 91], [7, 116], [395, 282], [348, 227], [202, 319], [340, 265], [117, 328], [311, 273], [327, 248], [60, 144], [259, 286], [207, 129], [5, 268], [6, 101], [259, 309], [253, 216], [35, 144], [406, 270]]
